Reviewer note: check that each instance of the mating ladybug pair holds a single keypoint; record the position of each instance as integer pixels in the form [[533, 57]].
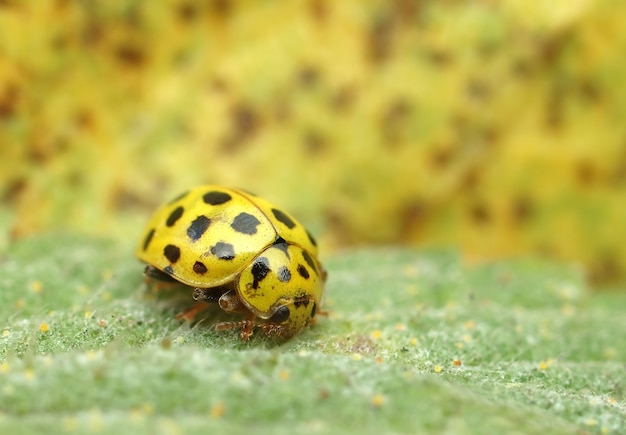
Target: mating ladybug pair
[[240, 251]]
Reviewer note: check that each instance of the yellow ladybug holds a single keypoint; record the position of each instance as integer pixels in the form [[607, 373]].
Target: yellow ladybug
[[240, 251]]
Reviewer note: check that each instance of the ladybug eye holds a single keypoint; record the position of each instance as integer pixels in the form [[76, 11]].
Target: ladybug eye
[[313, 310], [281, 315]]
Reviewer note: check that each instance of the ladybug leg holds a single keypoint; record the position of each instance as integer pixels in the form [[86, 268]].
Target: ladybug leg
[[273, 329], [191, 313], [247, 327]]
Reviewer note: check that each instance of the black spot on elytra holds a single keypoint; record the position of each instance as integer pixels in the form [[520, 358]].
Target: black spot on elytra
[[283, 274], [216, 198], [260, 269], [282, 217], [172, 253], [309, 260], [245, 223], [304, 273], [174, 216], [223, 251], [198, 227], [148, 239], [199, 268], [311, 238]]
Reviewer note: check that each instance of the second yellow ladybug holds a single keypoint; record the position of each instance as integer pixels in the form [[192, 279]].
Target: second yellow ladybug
[[240, 251]]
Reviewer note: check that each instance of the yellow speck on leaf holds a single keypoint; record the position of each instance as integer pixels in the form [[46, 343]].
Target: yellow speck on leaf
[[147, 408], [469, 324], [379, 360], [179, 340], [6, 333], [413, 341], [107, 274], [19, 303], [4, 367], [610, 352], [36, 286], [96, 421], [378, 400], [591, 422], [438, 368], [459, 345], [218, 410], [88, 314], [400, 327], [357, 356], [283, 375], [410, 271], [457, 363], [376, 334], [70, 424], [103, 323], [29, 374], [44, 327], [467, 338], [568, 310]]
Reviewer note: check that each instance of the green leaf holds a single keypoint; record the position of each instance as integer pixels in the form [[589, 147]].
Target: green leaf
[[414, 342]]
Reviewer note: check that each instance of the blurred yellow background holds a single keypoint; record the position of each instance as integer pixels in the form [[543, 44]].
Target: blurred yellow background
[[493, 126]]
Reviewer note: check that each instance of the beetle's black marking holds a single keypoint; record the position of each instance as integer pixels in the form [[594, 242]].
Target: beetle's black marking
[[311, 238], [303, 272], [309, 260], [260, 269], [223, 251], [172, 253], [282, 217], [216, 197], [174, 216], [178, 198], [199, 268], [168, 269], [245, 223], [148, 239], [284, 275], [283, 247], [198, 227], [281, 315]]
